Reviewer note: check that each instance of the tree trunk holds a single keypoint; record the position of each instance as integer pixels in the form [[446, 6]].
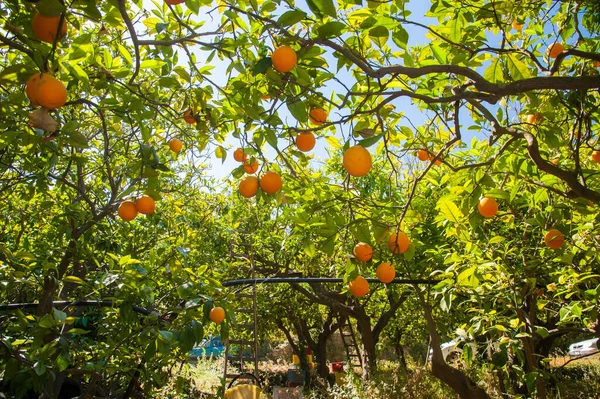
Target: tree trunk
[[369, 355], [455, 379]]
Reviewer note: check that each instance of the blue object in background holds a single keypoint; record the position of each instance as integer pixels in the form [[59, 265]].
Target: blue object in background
[[209, 347]]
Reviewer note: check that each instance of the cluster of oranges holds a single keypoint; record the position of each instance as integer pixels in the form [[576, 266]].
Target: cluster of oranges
[[270, 182], [398, 243], [128, 210], [43, 89], [425, 155]]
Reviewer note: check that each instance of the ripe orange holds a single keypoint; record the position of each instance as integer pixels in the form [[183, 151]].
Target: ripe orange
[[554, 239], [175, 145], [423, 155], [596, 64], [30, 87], [595, 156], [385, 273], [487, 207], [217, 314], [249, 186], [534, 119], [145, 204], [127, 211], [251, 166], [50, 92], [555, 49], [305, 141], [399, 242], [188, 117], [357, 161], [363, 252], [45, 28], [284, 59], [438, 160], [317, 116], [516, 25], [239, 155], [270, 182], [359, 287]]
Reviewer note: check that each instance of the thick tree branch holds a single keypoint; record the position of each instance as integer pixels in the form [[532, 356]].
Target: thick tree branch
[[571, 179]]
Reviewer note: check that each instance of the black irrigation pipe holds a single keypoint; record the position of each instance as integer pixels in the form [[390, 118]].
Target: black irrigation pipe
[[278, 280], [108, 304], [228, 283]]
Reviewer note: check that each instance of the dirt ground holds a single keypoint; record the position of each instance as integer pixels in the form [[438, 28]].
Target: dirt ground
[[561, 360]]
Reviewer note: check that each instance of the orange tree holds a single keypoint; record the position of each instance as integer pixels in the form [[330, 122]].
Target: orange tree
[[386, 75]]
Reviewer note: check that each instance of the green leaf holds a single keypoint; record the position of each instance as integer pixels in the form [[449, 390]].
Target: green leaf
[[330, 29], [322, 8], [371, 140], [50, 8], [221, 153], [125, 54], [400, 37], [440, 54], [79, 73], [73, 279], [450, 210], [379, 32], [298, 110], [493, 73], [79, 331], [516, 68], [262, 66], [47, 321], [290, 18], [16, 74], [152, 64], [467, 278]]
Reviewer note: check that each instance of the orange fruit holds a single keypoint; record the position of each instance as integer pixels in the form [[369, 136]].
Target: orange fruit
[[385, 273], [438, 160], [423, 155], [270, 182], [251, 166], [534, 119], [175, 145], [487, 207], [554, 239], [555, 49], [30, 87], [357, 161], [595, 156], [45, 28], [516, 25], [174, 2], [50, 92], [145, 204], [249, 186], [363, 252], [317, 116], [359, 287], [305, 141], [284, 59], [189, 117], [399, 242], [596, 64], [239, 155], [127, 211], [217, 314]]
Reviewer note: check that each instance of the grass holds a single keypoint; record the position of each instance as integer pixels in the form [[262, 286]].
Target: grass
[[202, 379]]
